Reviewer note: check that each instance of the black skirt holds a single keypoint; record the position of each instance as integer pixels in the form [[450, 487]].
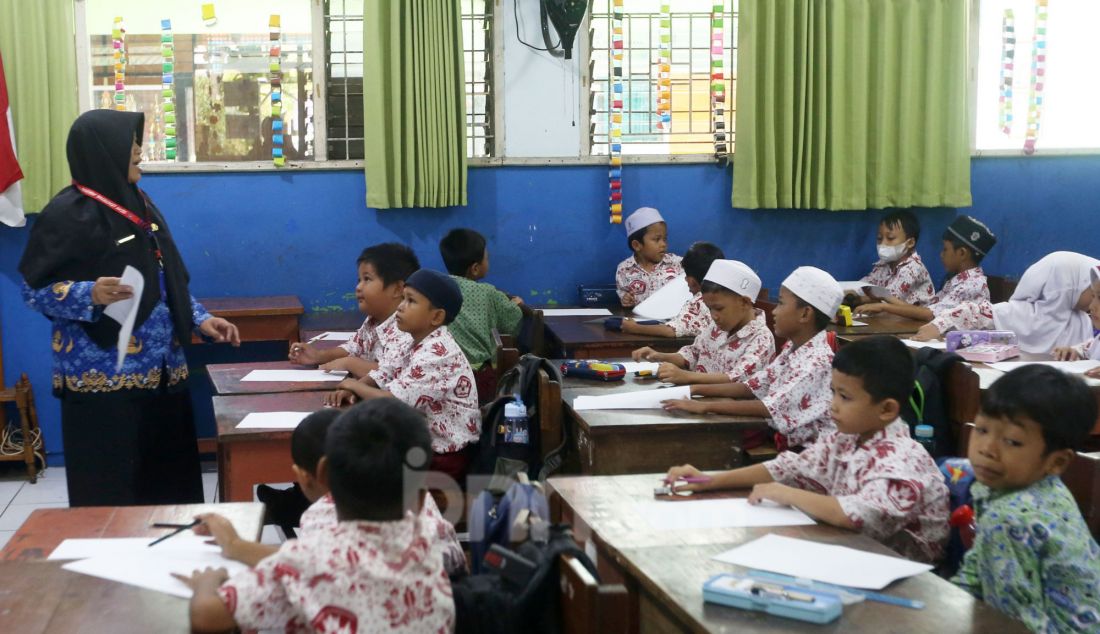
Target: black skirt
[[130, 447]]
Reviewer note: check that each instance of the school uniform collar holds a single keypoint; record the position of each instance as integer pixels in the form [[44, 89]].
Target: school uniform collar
[[969, 273], [432, 336], [750, 328], [894, 431]]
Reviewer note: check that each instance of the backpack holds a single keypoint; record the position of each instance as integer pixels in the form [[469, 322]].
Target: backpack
[[928, 404], [520, 513], [958, 475], [496, 457], [487, 603]]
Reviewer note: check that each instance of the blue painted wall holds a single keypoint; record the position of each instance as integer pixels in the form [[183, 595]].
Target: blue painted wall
[[300, 232]]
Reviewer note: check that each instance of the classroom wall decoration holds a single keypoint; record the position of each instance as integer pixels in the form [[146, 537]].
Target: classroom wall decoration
[[615, 126], [1038, 72], [118, 40], [718, 79], [167, 50], [1008, 55], [664, 69], [275, 23]]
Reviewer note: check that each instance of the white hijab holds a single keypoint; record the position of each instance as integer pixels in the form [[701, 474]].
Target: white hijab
[[1041, 310]]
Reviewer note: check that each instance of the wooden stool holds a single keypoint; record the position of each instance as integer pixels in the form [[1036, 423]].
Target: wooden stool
[[23, 397]]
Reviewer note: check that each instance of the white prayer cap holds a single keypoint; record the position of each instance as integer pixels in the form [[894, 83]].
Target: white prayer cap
[[736, 276], [1095, 274], [642, 218], [817, 288]]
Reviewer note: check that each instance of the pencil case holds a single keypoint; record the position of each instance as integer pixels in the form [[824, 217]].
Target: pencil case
[[594, 370], [788, 601], [957, 339]]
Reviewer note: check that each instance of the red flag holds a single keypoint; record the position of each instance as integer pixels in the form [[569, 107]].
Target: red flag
[[11, 198]]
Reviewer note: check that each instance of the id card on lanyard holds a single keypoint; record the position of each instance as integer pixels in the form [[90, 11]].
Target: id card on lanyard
[[146, 226]]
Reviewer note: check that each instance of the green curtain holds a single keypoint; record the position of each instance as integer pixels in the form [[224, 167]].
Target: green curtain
[[851, 104], [414, 104], [39, 50]]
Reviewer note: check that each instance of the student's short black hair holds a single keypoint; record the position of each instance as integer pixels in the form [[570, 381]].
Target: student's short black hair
[[1062, 404], [698, 259], [373, 449], [821, 320], [393, 261], [883, 363], [904, 219], [461, 249], [956, 243], [307, 443]]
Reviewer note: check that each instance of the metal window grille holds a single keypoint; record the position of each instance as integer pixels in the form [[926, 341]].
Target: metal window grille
[[692, 128], [344, 66]]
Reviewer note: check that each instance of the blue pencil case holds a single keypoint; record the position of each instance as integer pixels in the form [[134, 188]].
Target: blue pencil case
[[788, 601]]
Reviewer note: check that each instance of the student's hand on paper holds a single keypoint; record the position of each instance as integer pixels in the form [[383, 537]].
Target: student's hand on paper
[[207, 578], [773, 491], [340, 397], [870, 309], [684, 405], [303, 354], [221, 331], [642, 354], [222, 531], [629, 300], [108, 290], [672, 478], [927, 332], [1065, 354], [670, 373]]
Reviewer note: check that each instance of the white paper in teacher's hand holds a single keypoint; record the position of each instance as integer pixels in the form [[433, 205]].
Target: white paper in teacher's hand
[[125, 311], [294, 376], [641, 399]]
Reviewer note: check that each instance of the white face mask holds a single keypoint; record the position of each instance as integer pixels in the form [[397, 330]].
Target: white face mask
[[893, 253]]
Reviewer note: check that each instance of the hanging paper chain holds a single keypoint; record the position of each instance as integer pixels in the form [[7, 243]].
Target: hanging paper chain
[[276, 93], [1008, 60], [118, 37], [615, 115], [718, 78], [664, 69], [168, 52], [1038, 72]]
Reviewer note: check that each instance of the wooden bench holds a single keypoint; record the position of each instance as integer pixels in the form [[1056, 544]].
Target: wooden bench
[[22, 396], [588, 607]]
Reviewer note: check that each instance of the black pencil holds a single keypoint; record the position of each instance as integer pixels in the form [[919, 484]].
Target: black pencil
[[179, 529]]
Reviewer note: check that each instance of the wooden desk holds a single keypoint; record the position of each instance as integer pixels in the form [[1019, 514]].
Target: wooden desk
[[575, 338], [271, 318], [247, 457], [664, 571], [226, 378], [45, 529], [313, 324], [878, 324]]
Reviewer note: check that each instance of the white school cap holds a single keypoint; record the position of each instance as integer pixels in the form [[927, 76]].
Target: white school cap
[[817, 288], [1095, 274], [642, 218], [735, 276]]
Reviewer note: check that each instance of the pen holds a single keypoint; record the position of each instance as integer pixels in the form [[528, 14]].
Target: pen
[[179, 529], [169, 525]]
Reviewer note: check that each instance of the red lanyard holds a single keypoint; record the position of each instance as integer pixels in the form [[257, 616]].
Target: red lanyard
[[145, 225]]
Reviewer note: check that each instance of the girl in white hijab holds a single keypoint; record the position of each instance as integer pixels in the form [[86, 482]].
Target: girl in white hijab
[[1089, 349]]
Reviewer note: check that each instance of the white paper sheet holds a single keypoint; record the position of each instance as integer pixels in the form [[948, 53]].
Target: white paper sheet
[[184, 545], [1073, 367], [863, 288], [641, 399], [939, 345], [333, 336], [125, 312], [639, 366], [294, 376], [151, 572], [822, 562], [986, 376], [685, 515], [666, 302], [272, 420], [857, 323], [575, 312]]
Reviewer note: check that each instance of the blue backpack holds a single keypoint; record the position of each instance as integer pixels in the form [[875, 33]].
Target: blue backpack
[[504, 519]]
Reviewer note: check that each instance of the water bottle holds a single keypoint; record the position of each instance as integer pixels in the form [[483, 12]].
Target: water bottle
[[924, 435], [515, 422]]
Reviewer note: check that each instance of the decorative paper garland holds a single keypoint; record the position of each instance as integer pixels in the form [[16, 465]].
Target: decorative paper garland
[[718, 78], [615, 117], [1038, 72], [118, 37], [664, 69], [276, 92], [167, 50], [1008, 61]]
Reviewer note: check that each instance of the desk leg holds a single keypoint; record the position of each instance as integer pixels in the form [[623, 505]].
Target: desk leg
[[242, 465]]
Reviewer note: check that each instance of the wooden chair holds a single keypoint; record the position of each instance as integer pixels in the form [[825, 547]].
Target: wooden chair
[[588, 607], [1000, 287], [22, 395], [507, 354], [963, 394], [1082, 478], [551, 415]]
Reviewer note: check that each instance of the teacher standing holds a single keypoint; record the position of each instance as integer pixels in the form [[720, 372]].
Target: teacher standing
[[128, 433]]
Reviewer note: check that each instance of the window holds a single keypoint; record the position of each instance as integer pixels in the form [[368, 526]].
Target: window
[[691, 129], [1067, 117]]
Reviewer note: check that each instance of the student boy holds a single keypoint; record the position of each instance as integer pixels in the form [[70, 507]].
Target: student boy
[[736, 346], [793, 390], [651, 266], [899, 268], [866, 475], [694, 317]]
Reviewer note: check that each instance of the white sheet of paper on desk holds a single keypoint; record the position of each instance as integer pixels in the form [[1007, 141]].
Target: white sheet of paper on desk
[[686, 515], [986, 376], [125, 312], [153, 572], [822, 562], [666, 302], [272, 420], [641, 399], [1072, 367], [857, 323], [576, 312], [863, 288], [938, 345], [334, 336], [294, 376], [184, 545], [640, 366]]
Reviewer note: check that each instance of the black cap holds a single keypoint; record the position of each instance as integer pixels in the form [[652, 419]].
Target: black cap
[[973, 234], [440, 289]]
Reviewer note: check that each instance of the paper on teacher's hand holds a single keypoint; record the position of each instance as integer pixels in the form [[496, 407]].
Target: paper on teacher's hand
[[666, 302], [641, 399], [272, 420], [294, 376], [688, 515], [125, 311]]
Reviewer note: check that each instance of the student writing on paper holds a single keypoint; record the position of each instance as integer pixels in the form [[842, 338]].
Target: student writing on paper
[[736, 346], [965, 243], [793, 390], [1089, 349], [378, 568], [651, 266], [899, 268], [430, 373], [866, 475], [694, 317], [382, 271], [128, 433], [1032, 557]]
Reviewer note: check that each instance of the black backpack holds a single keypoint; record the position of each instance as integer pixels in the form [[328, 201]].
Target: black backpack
[[494, 456], [928, 403], [489, 604]]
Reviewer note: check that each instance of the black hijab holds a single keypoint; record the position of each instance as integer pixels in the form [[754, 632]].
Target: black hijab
[[76, 238]]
